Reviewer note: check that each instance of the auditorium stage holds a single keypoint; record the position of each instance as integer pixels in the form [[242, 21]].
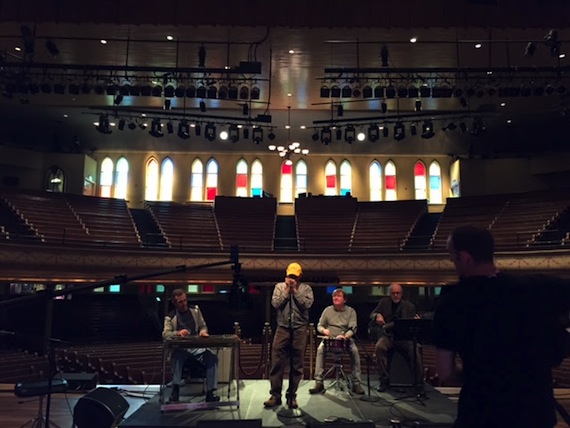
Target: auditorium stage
[[334, 405]]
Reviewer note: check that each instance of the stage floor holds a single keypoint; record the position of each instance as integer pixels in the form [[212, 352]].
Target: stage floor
[[333, 405]]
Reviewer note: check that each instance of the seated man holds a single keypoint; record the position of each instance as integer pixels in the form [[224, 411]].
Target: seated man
[[383, 316], [338, 321], [187, 320]]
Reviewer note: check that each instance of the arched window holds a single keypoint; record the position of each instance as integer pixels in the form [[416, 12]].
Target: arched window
[[166, 179], [256, 178], [241, 178], [151, 184], [301, 177], [435, 191], [390, 181], [211, 180], [420, 186], [106, 178], [286, 192], [197, 181], [330, 178], [121, 178], [375, 174], [345, 178]]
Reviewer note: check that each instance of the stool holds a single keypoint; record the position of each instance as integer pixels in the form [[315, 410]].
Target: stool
[[39, 389], [340, 375]]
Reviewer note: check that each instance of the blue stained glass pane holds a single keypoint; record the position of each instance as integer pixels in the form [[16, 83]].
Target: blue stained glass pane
[[435, 182], [344, 192], [256, 192]]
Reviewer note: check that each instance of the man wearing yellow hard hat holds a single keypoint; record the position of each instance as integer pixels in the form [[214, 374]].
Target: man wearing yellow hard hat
[[292, 300]]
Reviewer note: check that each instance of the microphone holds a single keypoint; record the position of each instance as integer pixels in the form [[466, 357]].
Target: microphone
[[7, 333]]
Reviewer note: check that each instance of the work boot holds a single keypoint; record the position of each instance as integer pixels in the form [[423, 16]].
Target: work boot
[[211, 396], [292, 402], [382, 386], [318, 388], [174, 394], [357, 389], [274, 400]]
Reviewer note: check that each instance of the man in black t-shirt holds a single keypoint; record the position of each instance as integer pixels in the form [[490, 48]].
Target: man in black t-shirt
[[505, 329]]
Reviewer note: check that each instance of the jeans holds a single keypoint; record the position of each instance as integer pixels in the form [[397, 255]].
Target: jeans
[[354, 361], [204, 356]]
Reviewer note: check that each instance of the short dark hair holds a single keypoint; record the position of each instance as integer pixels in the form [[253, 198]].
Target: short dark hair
[[177, 292], [474, 240]]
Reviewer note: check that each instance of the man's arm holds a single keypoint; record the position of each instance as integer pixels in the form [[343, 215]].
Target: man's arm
[[351, 327], [323, 323], [280, 296], [304, 296], [168, 329], [201, 323]]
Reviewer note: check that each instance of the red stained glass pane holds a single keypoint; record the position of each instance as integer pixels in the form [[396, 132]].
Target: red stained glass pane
[[241, 180], [287, 169], [331, 182], [420, 169], [208, 288], [391, 182], [211, 193]]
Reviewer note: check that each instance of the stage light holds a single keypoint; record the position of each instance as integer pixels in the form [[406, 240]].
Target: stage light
[[180, 91], [167, 104], [212, 92], [402, 92], [325, 91], [191, 91], [59, 89], [156, 128], [390, 92], [156, 91], [418, 105], [338, 133], [223, 93], [184, 129], [198, 130], [399, 131], [379, 92], [361, 136], [257, 135], [255, 93], [52, 48], [202, 56], [413, 92], [413, 129], [373, 133], [427, 129], [340, 110], [315, 135], [245, 133], [203, 108], [463, 101], [383, 107], [169, 127], [210, 132], [530, 49], [232, 93], [335, 91], [326, 136], [121, 125], [201, 92], [132, 126], [346, 91], [271, 135], [118, 100], [234, 133], [425, 91], [349, 134], [224, 135], [384, 55], [385, 131], [104, 127], [244, 93]]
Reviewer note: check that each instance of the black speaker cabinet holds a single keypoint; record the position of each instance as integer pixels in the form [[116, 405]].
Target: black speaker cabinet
[[101, 408], [245, 423], [401, 373], [343, 424]]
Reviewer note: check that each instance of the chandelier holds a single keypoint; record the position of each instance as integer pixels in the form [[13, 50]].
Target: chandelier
[[292, 149]]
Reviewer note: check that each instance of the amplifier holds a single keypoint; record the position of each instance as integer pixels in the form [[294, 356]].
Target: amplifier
[[81, 381]]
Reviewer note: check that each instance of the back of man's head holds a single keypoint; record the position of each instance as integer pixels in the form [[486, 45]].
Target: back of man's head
[[475, 240]]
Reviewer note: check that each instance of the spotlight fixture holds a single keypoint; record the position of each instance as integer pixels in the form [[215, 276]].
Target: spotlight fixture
[[202, 56], [335, 91], [360, 136], [233, 132], [418, 105], [224, 135], [210, 132], [384, 55], [118, 99], [255, 93], [385, 131], [325, 91], [530, 49], [167, 104], [399, 131], [245, 133], [340, 110], [338, 132], [169, 127], [271, 135], [121, 125], [427, 129], [373, 133], [551, 40], [349, 134], [104, 127], [156, 128], [203, 106], [413, 129], [367, 92], [52, 48], [257, 135], [132, 126], [384, 107], [463, 101], [198, 130], [315, 135], [169, 91], [326, 136]]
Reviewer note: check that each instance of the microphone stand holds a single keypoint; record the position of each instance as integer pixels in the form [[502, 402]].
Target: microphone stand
[[288, 412], [367, 397]]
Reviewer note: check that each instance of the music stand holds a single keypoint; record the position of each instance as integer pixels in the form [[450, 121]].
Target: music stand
[[413, 329]]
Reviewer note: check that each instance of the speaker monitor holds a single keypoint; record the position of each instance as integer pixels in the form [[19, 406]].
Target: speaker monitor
[[401, 373], [244, 423], [101, 408]]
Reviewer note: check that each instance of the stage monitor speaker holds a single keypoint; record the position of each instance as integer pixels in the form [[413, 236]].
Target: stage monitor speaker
[[244, 423], [343, 424], [101, 408], [401, 373], [81, 381]]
